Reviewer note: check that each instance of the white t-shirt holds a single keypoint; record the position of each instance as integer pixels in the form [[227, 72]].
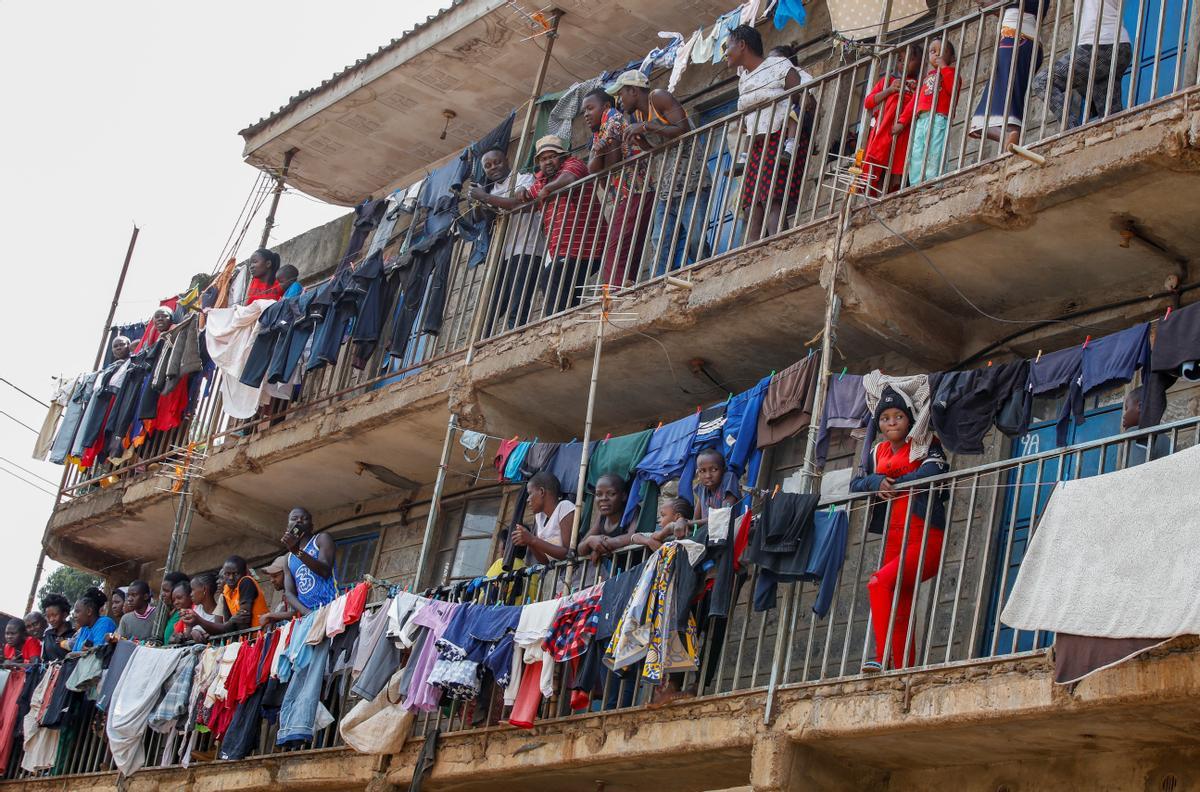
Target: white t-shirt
[[762, 85], [548, 527], [524, 235], [1105, 13]]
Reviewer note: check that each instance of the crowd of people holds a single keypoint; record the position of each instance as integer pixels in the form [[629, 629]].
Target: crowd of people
[[187, 609]]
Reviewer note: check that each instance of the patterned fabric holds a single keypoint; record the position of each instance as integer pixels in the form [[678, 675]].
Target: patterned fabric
[[175, 704], [1076, 65], [457, 676], [646, 629], [771, 184], [575, 624], [572, 220]]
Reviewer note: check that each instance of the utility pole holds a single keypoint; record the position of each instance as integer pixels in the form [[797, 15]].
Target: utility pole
[[112, 312], [287, 162]]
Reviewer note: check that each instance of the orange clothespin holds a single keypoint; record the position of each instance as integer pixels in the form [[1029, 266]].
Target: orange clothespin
[[658, 427], [1086, 341], [515, 438], [989, 364], [775, 491]]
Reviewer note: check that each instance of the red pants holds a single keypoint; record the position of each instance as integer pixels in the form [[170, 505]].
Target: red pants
[[882, 587]]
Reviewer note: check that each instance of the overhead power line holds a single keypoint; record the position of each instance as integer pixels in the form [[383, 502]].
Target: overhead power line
[[22, 390]]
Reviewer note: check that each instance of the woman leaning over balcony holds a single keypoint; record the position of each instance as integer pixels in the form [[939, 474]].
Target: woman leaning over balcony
[[771, 129], [912, 541]]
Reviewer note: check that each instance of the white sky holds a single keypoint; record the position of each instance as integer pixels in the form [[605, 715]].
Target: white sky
[[124, 112]]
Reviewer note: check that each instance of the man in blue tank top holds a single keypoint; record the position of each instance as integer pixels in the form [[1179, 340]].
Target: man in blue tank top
[[310, 580]]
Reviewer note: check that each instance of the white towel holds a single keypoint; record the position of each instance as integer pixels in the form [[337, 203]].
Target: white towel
[[1116, 556], [138, 692], [915, 391]]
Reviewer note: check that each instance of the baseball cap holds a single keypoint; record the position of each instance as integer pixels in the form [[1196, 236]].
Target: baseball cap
[[633, 77], [277, 566]]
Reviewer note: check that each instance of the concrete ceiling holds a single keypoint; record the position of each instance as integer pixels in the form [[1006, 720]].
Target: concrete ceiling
[[1068, 258], [377, 126]]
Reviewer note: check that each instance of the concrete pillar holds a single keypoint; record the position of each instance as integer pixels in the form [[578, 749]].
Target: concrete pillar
[[779, 765]]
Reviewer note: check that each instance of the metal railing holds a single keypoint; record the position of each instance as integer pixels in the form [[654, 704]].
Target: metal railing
[[721, 188], [991, 513], [727, 184]]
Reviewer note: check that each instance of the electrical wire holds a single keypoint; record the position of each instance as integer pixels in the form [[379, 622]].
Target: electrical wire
[[25, 392], [22, 423], [27, 481], [929, 262], [28, 471]]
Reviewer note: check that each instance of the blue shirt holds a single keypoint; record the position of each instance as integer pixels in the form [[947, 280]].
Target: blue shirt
[[295, 290], [95, 634], [312, 590]]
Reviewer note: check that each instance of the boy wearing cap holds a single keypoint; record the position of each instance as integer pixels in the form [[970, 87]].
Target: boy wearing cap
[[655, 119], [282, 611]]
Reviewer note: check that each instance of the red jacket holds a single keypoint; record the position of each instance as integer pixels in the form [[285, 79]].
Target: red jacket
[[879, 139], [939, 85]]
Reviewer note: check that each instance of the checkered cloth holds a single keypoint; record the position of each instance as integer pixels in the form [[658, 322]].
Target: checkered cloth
[[1076, 65], [173, 708], [575, 624]]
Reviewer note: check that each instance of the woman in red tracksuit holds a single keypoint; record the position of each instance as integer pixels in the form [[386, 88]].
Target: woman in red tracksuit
[[884, 101], [890, 463]]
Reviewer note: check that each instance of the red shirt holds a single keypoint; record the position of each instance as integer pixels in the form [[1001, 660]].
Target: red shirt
[[879, 139], [356, 602], [259, 290], [939, 85], [30, 650], [895, 464], [572, 221]]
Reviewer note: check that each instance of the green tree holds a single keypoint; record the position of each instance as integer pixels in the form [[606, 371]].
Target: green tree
[[69, 582]]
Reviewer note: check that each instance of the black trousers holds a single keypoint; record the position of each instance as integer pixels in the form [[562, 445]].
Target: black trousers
[[425, 278]]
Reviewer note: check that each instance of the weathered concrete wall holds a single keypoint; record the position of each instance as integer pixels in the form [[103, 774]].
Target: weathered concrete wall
[[317, 251]]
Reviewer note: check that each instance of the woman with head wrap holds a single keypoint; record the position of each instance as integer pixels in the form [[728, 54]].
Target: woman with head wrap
[[908, 451]]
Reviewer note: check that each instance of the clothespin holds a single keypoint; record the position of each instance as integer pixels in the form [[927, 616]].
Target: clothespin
[[989, 364], [1038, 359], [697, 409], [1167, 314], [729, 399], [772, 372], [1086, 341], [810, 353], [515, 438], [830, 512], [607, 437], [658, 427], [843, 373], [775, 491]]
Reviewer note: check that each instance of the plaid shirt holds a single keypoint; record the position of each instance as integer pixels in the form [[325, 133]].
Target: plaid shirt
[[174, 705], [575, 624]]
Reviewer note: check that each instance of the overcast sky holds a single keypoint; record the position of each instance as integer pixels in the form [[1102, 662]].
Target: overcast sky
[[128, 112]]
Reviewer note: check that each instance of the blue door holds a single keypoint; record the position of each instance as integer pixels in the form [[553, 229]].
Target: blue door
[[1031, 495], [1172, 15], [722, 229]]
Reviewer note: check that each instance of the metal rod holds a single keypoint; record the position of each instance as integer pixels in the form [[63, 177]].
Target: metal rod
[[587, 425], [435, 501], [278, 191]]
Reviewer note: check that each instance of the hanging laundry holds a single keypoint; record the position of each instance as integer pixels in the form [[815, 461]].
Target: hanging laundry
[[787, 406], [702, 49], [667, 452], [512, 467], [566, 110], [229, 336], [725, 25], [1058, 372], [683, 56], [966, 403], [817, 555], [915, 392], [789, 10], [134, 699], [1176, 344]]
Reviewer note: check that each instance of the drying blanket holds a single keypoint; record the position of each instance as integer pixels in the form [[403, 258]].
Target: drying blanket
[[1116, 556]]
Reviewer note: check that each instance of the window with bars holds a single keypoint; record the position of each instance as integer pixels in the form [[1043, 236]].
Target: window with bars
[[355, 554]]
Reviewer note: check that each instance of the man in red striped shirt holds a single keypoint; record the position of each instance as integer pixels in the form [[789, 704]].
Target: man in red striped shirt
[[575, 229]]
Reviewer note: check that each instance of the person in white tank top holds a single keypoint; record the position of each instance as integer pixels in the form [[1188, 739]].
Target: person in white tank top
[[553, 519]]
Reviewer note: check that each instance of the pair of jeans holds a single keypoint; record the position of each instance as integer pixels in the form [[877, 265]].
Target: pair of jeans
[[561, 280], [514, 288], [424, 280], [678, 217], [298, 713]]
